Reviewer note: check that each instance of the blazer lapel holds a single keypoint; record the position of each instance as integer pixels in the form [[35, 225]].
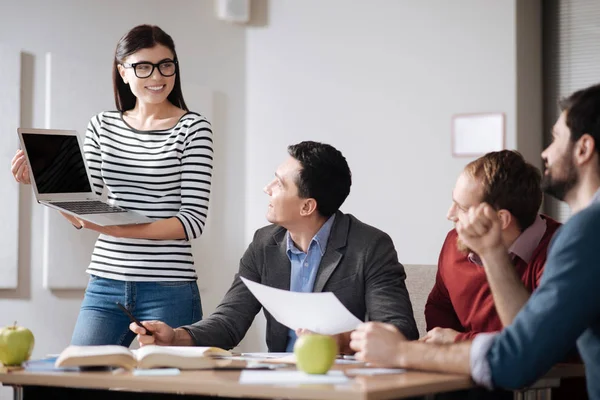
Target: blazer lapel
[[278, 264], [278, 269], [333, 255]]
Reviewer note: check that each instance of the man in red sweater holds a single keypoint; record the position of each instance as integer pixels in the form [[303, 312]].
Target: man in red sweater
[[467, 297]]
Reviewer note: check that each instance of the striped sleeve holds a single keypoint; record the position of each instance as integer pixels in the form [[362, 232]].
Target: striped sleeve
[[196, 177], [91, 148]]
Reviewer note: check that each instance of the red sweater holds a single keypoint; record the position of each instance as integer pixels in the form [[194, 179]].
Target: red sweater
[[461, 298]]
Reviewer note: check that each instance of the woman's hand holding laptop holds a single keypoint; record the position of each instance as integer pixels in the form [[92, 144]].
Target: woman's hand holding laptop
[[20, 171], [19, 168], [73, 220]]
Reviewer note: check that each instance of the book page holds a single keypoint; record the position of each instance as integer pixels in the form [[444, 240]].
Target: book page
[[86, 351], [180, 351], [183, 357], [87, 356]]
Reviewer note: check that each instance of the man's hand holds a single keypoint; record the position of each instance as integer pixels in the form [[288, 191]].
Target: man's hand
[[377, 343], [440, 336], [162, 334], [480, 229], [342, 340]]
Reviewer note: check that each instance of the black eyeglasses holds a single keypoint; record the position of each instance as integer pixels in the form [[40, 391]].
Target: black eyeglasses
[[145, 69]]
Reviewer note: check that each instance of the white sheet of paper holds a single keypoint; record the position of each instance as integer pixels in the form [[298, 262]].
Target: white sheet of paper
[[266, 355], [374, 371], [279, 358], [348, 362], [156, 372], [290, 377], [284, 358], [318, 312]]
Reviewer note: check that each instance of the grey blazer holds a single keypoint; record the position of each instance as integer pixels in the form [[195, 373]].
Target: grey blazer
[[360, 266]]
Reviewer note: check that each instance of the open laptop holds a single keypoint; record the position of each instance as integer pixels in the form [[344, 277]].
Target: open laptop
[[61, 178]]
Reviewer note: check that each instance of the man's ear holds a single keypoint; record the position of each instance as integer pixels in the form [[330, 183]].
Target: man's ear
[[584, 149], [505, 218], [309, 206], [122, 73]]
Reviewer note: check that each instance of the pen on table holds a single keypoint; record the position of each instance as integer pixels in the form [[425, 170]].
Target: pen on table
[[133, 319]]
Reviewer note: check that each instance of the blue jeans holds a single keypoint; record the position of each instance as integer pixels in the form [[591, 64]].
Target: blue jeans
[[101, 321]]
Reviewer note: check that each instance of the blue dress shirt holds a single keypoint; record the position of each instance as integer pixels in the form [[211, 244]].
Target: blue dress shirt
[[305, 266]]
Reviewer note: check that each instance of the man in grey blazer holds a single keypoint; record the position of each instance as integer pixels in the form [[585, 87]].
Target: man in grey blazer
[[311, 246]]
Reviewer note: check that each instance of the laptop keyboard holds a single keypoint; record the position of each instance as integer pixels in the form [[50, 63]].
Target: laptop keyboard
[[88, 207]]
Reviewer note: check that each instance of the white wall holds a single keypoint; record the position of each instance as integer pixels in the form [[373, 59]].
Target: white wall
[[380, 81]]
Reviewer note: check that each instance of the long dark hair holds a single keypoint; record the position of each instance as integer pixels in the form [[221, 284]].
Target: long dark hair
[[143, 37]]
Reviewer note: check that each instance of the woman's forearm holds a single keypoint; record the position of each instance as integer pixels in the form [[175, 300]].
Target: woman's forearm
[[164, 229]]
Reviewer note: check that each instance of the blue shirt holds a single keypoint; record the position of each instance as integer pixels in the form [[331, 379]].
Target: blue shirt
[[305, 266], [562, 312]]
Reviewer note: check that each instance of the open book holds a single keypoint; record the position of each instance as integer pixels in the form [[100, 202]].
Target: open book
[[145, 357]]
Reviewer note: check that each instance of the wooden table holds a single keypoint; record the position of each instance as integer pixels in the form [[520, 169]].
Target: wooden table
[[225, 384]]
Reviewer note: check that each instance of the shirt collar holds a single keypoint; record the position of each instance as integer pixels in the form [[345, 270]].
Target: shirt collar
[[525, 244], [320, 238], [596, 198], [528, 241]]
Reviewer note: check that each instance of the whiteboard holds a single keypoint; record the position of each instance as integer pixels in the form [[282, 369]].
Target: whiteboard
[[10, 119]]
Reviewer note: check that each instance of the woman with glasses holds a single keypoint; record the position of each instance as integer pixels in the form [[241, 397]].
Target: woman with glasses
[[153, 156]]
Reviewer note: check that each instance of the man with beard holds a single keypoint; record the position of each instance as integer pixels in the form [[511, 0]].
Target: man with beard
[[468, 297], [563, 311]]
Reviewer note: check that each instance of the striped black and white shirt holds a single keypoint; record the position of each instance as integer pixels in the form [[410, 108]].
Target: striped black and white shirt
[[160, 174]]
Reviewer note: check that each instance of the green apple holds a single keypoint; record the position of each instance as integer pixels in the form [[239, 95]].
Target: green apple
[[16, 344], [315, 354]]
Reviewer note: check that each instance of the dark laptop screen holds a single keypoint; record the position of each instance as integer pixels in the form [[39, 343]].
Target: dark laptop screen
[[57, 164]]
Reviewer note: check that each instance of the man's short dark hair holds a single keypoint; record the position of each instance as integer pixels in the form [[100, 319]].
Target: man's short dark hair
[[583, 113], [325, 175]]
